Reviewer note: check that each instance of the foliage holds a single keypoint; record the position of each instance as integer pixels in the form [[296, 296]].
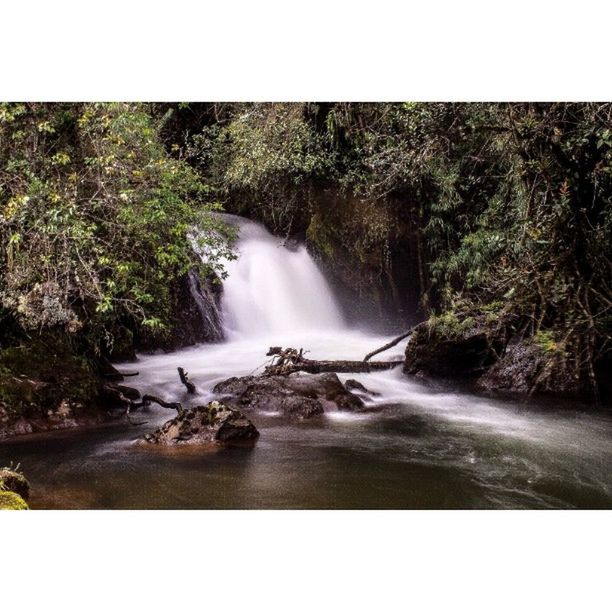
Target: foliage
[[449, 325], [264, 157], [94, 215]]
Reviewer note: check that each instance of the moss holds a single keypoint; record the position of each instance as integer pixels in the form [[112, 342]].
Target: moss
[[12, 501], [545, 340], [449, 325], [320, 236], [13, 481]]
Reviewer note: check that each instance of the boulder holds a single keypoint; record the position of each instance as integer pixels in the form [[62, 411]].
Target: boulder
[[195, 317], [297, 395], [526, 368], [213, 423], [461, 350]]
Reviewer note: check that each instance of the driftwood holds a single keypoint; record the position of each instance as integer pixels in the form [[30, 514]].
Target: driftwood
[[191, 388], [389, 344], [147, 400], [291, 360], [152, 399], [132, 405], [115, 392]]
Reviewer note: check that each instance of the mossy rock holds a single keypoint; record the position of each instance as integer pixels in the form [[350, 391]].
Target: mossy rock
[[14, 482], [11, 501], [450, 347]]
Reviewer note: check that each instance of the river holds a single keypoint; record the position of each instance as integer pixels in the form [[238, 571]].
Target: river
[[420, 446]]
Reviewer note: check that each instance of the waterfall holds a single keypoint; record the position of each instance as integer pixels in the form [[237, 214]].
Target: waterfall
[[274, 289]]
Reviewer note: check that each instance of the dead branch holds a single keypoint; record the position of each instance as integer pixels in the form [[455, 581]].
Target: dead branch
[[191, 388], [149, 399], [390, 344]]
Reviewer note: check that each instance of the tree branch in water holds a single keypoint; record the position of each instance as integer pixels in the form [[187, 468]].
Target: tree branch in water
[[389, 344], [191, 388]]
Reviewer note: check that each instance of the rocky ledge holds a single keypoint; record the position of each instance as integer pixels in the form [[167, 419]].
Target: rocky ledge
[[297, 395], [210, 424]]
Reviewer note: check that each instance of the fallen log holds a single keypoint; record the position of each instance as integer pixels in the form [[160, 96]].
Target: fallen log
[[389, 344], [290, 360]]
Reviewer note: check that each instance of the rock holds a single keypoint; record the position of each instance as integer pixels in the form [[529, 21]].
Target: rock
[[354, 385], [302, 407], [525, 368], [464, 352], [19, 427], [296, 395], [45, 384], [195, 315], [10, 480], [12, 501], [208, 424], [491, 356]]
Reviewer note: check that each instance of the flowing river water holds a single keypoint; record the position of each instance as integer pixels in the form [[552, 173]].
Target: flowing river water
[[421, 445]]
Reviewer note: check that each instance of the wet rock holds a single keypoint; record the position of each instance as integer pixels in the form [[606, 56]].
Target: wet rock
[[354, 385], [302, 407], [525, 368], [297, 395], [46, 385], [208, 424], [11, 480], [195, 315]]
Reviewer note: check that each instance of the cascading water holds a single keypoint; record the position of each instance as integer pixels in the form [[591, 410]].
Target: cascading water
[[426, 447], [274, 290]]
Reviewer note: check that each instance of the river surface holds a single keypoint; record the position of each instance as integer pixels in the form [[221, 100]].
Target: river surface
[[420, 445]]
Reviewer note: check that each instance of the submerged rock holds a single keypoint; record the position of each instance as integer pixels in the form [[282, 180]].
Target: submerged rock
[[208, 424], [296, 395]]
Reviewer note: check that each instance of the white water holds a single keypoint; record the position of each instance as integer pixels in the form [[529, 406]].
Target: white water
[[272, 296], [272, 291]]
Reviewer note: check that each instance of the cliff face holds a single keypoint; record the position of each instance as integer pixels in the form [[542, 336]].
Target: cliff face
[[195, 318]]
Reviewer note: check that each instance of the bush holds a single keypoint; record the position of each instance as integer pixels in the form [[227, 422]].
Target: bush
[[94, 216]]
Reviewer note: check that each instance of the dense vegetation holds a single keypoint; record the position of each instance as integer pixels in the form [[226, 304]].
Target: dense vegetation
[[494, 215], [94, 219], [465, 211]]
